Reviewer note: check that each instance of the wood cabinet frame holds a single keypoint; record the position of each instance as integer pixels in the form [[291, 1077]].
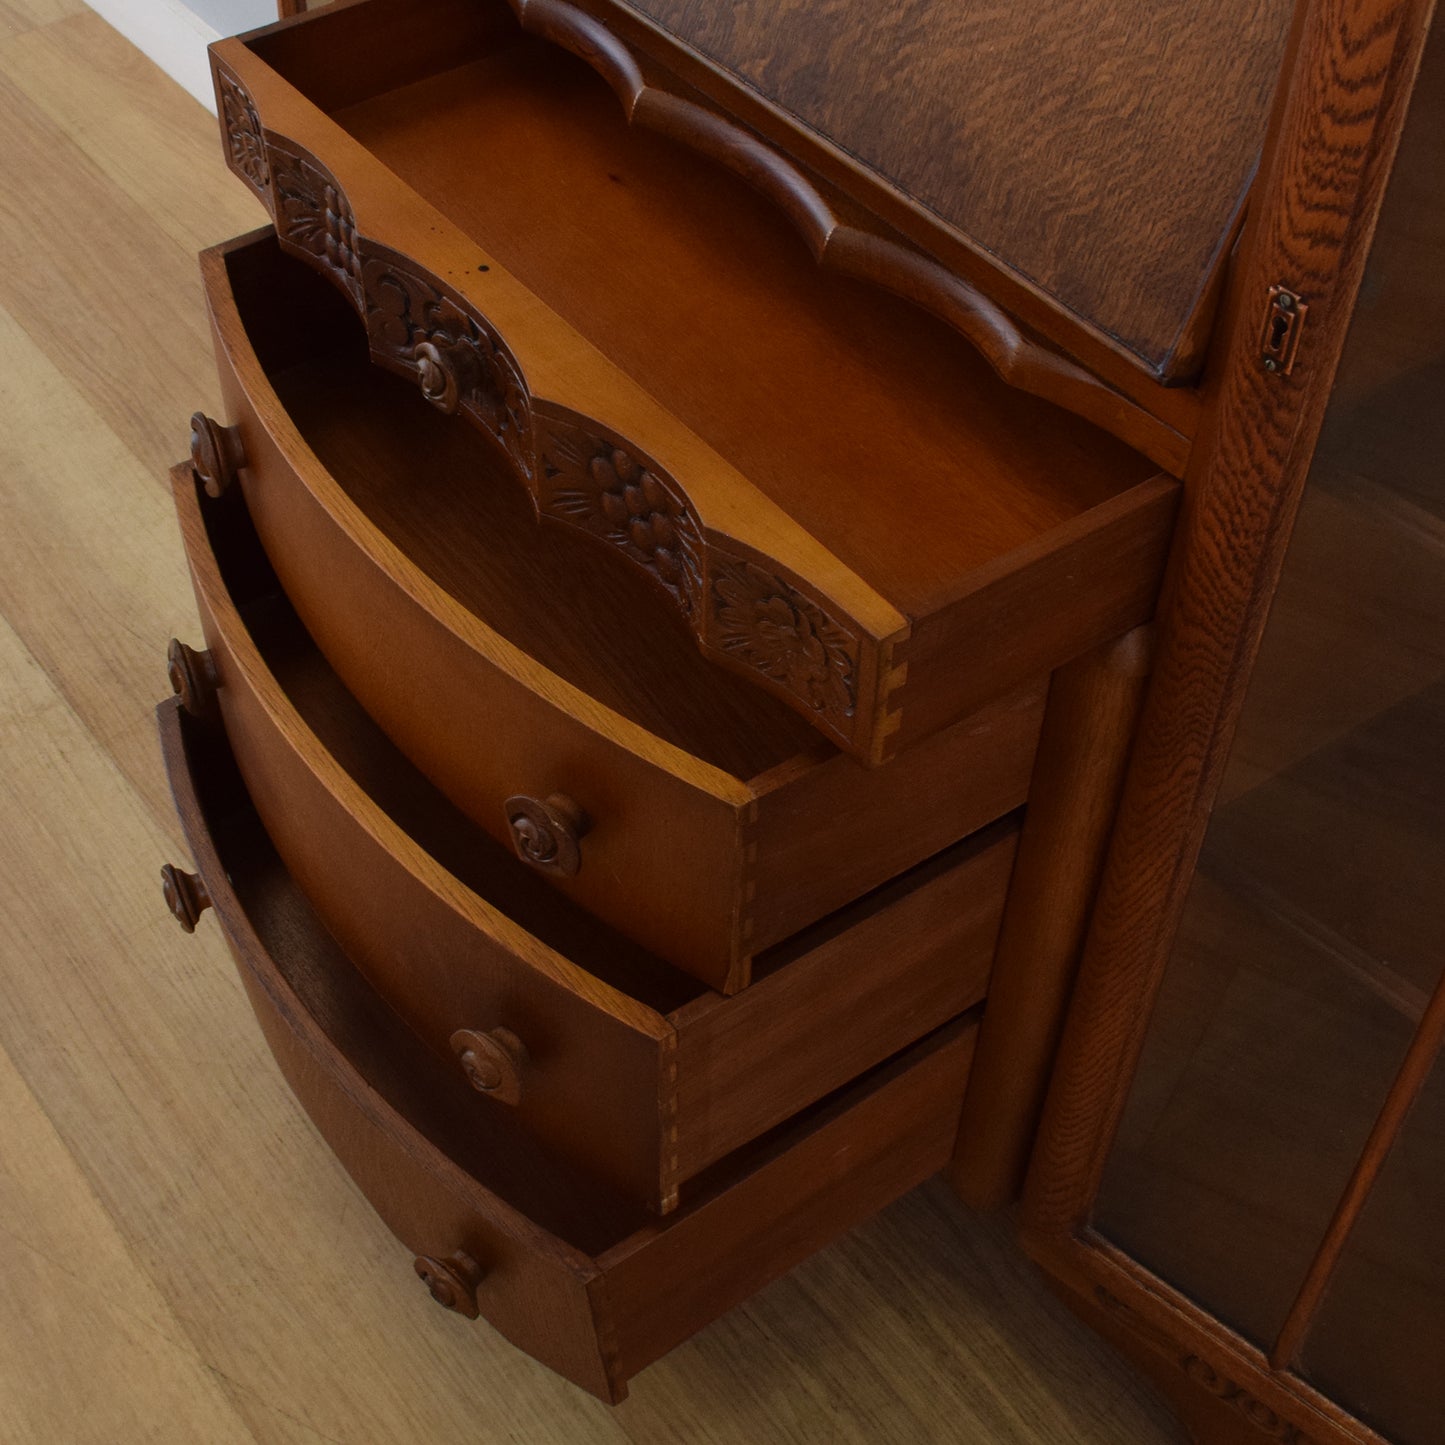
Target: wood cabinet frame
[[1337, 123]]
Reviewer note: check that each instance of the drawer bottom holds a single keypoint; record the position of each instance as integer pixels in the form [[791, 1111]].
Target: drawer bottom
[[579, 1278]]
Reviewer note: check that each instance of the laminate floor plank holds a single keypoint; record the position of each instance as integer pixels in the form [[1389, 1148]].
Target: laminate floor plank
[[81, 1322], [137, 1042], [92, 576], [182, 1259], [99, 285], [137, 128], [18, 16]]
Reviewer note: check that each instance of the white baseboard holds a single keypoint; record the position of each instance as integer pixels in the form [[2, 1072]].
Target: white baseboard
[[174, 37]]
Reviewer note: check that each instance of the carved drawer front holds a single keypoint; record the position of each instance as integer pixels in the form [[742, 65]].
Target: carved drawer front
[[537, 679], [627, 1067], [832, 493], [496, 1227]]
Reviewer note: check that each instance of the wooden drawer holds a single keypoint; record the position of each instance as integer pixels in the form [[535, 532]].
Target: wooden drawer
[[843, 503], [574, 1276], [506, 659], [626, 1066]]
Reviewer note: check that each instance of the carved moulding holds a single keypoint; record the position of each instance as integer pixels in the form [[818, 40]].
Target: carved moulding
[[743, 611], [760, 621], [601, 487], [837, 245], [312, 215], [241, 127], [422, 329], [1268, 1422]]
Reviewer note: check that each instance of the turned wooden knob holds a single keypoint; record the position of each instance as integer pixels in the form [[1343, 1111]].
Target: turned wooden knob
[[453, 1281], [193, 677], [185, 896], [492, 1061], [548, 834], [216, 454]]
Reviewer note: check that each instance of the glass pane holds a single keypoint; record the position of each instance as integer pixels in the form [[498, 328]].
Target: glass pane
[[1313, 932], [1378, 1343]]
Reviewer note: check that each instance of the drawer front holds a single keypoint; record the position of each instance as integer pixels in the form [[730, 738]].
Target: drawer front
[[645, 1095], [700, 866], [663, 857], [592, 1079], [596, 1311]]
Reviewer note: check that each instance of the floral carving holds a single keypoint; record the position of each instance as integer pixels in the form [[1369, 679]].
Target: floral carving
[[778, 632], [457, 359], [312, 215], [242, 127], [1267, 1421], [605, 490]]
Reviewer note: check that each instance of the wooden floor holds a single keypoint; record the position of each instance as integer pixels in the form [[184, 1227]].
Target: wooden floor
[[180, 1259]]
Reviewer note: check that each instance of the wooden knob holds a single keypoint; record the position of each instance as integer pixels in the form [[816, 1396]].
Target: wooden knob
[[492, 1061], [216, 454], [453, 1281], [193, 677], [185, 896], [548, 834]]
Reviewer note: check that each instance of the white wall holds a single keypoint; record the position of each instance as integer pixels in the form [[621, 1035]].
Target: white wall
[[231, 17], [175, 33]]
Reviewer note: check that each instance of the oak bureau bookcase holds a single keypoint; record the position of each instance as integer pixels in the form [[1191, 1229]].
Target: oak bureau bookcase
[[676, 569]]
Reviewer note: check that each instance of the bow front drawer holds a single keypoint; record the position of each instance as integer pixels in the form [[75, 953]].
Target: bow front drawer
[[538, 679], [561, 1266], [624, 1065]]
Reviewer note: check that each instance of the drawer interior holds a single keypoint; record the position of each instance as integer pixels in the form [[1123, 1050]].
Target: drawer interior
[[446, 496], [429, 1164], [476, 859], [490, 1144], [815, 387], [450, 928], [483, 864]]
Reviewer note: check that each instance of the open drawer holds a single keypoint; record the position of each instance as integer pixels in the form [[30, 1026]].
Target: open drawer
[[576, 1277], [833, 491], [625, 1066], [537, 680]]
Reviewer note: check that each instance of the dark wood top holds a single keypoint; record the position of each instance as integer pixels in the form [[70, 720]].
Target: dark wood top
[[1100, 148]]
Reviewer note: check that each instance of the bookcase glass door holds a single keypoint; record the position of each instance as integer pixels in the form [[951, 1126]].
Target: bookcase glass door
[[1281, 1159]]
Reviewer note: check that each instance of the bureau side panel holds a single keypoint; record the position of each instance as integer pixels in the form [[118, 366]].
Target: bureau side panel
[[871, 1147], [846, 995], [828, 835], [1036, 609]]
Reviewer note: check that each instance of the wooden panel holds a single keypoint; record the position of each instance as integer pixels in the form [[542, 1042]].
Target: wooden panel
[[1049, 137], [827, 833], [1083, 751], [1095, 579], [664, 1284], [867, 982]]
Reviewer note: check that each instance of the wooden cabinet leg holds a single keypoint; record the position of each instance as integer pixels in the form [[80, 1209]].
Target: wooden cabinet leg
[[1093, 706]]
